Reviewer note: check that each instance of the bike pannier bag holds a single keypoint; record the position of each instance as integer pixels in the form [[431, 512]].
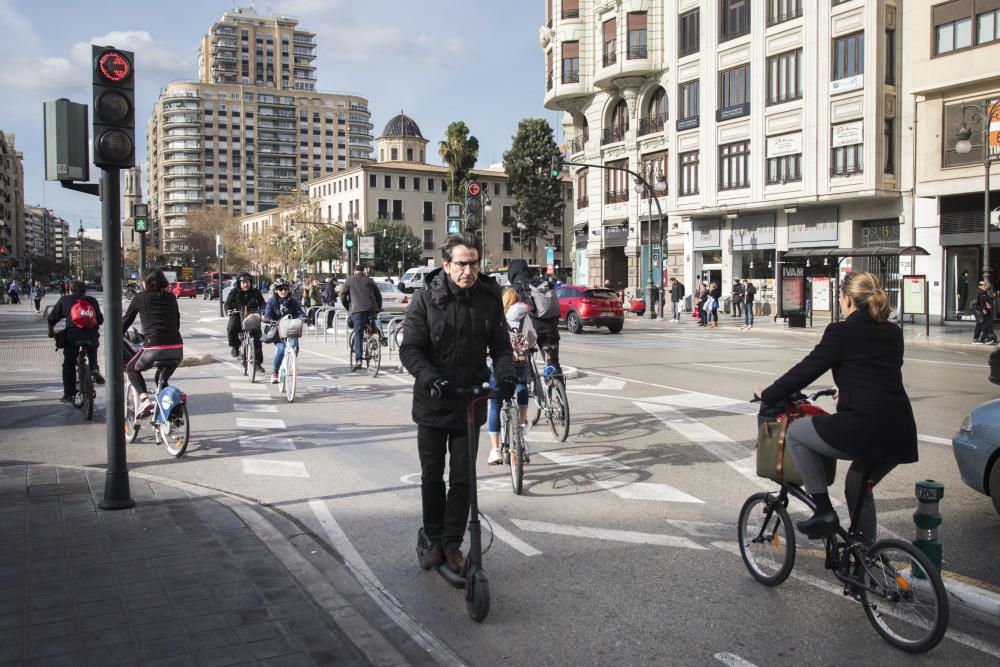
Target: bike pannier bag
[[251, 322], [289, 328], [83, 315], [774, 462]]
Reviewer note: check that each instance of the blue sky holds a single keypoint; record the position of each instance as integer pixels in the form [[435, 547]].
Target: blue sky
[[438, 60]]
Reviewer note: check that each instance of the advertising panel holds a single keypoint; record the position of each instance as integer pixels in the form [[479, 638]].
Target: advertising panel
[[793, 290]]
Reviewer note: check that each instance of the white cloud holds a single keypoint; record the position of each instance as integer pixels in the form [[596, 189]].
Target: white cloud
[[39, 74], [18, 31], [386, 42], [300, 8]]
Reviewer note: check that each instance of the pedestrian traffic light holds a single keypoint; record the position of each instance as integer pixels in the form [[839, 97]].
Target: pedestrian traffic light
[[473, 205], [555, 166], [113, 107], [349, 234], [140, 214]]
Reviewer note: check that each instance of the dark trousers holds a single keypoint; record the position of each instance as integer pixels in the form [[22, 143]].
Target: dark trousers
[[736, 308], [144, 359], [69, 360], [234, 328], [446, 514], [359, 322]]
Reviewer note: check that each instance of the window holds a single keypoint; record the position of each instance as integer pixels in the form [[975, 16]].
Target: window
[[428, 239], [689, 173], [496, 189], [619, 124], [616, 184], [416, 184], [735, 17], [387, 182], [570, 9], [688, 106], [734, 87], [689, 31], [779, 11], [409, 155], [507, 244], [654, 168], [383, 209], [507, 215], [734, 165], [372, 180], [397, 209], [428, 211], [784, 169], [402, 182], [889, 166], [430, 185], [848, 56], [952, 26], [784, 77], [847, 158], [890, 57], [571, 62], [582, 201], [988, 26], [636, 35], [656, 113], [610, 42], [394, 154]]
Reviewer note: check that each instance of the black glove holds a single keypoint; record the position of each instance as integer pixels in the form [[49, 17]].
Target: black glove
[[439, 388], [506, 387]]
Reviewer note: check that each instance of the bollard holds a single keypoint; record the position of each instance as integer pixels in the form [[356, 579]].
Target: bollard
[[927, 519]]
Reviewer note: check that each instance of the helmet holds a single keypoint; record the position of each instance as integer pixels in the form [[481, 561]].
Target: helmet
[[280, 282], [245, 276]]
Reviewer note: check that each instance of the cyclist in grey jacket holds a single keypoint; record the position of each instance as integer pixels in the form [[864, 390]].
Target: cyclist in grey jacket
[[363, 300]]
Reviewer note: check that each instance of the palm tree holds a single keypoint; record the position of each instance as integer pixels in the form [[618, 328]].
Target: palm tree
[[460, 152]]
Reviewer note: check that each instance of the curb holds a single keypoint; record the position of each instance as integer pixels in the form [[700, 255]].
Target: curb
[[973, 602]]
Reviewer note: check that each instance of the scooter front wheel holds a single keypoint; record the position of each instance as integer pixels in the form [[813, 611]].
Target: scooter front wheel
[[477, 594]]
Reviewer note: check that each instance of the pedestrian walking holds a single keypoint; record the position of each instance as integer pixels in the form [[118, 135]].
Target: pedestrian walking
[[982, 308], [749, 293], [714, 294], [703, 305], [14, 292], [676, 295], [737, 298], [37, 293]]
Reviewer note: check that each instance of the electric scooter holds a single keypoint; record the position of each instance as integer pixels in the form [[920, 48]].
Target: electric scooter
[[472, 576]]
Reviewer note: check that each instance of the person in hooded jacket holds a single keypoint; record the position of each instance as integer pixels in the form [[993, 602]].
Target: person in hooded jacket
[[523, 338], [547, 330], [450, 328]]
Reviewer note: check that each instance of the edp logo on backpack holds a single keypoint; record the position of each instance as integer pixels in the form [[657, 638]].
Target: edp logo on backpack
[[83, 315], [545, 301]]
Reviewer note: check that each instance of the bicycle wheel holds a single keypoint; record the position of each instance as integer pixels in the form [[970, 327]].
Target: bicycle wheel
[[558, 409], [536, 395], [767, 540], [175, 430], [251, 362], [81, 367], [352, 360], [290, 373], [516, 446], [373, 353], [243, 358], [904, 596], [87, 391], [131, 423]]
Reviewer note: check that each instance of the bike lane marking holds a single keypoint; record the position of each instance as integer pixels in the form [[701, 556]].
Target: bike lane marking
[[250, 422], [607, 534], [732, 660], [275, 468]]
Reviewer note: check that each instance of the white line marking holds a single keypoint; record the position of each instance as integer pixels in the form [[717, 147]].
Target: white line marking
[[275, 468], [732, 660], [632, 537], [248, 422], [260, 398], [382, 597], [704, 528], [266, 442], [584, 461], [696, 399], [934, 439], [947, 363], [207, 332], [606, 384], [254, 407], [647, 491], [246, 386], [512, 540], [731, 368]]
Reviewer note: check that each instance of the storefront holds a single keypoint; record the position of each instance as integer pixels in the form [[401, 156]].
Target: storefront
[[961, 220], [615, 261], [706, 242], [753, 246]]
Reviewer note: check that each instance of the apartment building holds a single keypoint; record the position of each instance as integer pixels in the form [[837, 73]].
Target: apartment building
[[251, 128], [45, 237], [772, 125], [11, 205], [401, 186]]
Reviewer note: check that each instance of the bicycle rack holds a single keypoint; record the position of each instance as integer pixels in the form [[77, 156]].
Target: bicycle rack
[[338, 317], [320, 316], [394, 325]]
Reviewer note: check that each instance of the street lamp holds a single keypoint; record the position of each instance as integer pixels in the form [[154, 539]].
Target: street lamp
[[654, 193], [985, 113], [520, 241]]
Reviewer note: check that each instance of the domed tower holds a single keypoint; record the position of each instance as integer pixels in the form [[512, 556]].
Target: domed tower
[[401, 141]]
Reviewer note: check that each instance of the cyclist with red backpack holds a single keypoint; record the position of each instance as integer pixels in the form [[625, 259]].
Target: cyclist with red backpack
[[83, 321]]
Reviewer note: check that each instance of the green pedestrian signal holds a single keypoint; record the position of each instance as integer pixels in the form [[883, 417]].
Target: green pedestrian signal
[[349, 243], [140, 214]]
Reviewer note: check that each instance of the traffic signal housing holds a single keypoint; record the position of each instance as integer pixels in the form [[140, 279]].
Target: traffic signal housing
[[349, 234], [113, 108], [473, 205], [140, 217], [555, 166]]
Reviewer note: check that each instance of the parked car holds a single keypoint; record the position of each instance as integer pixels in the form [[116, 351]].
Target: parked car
[[184, 290], [200, 285], [393, 301], [581, 306], [212, 290], [414, 278], [977, 450]]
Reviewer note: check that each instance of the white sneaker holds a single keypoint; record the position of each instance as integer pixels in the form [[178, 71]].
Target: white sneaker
[[495, 458], [146, 407]]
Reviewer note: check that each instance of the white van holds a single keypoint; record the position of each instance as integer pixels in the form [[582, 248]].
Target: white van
[[414, 278]]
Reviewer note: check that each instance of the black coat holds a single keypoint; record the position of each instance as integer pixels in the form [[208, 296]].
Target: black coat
[[519, 277], [874, 420], [447, 334]]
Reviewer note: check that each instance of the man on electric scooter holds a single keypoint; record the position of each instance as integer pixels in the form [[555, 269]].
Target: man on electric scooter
[[449, 329]]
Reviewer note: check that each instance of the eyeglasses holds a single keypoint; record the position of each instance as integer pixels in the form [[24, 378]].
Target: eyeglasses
[[466, 265], [280, 289]]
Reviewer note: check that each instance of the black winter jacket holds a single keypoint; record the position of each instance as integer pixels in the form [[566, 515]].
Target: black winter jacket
[[519, 275], [447, 334], [361, 294], [874, 420], [249, 301]]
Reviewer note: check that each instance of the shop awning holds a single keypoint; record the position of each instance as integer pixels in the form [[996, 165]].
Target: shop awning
[[878, 251]]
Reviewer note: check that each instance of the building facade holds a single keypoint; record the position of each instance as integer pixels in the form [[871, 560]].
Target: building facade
[[771, 124], [45, 239], [11, 205], [252, 128], [405, 188]]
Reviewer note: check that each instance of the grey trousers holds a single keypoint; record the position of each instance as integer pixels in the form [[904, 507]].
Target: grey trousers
[[806, 447]]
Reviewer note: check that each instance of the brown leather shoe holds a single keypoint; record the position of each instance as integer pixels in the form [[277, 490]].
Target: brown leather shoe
[[456, 561], [432, 557]]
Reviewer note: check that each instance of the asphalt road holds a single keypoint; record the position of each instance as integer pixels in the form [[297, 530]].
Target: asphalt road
[[621, 549]]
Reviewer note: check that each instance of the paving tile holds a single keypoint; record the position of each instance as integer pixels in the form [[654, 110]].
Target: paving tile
[[39, 616], [51, 646], [11, 636], [291, 660], [189, 595], [195, 624], [99, 607], [165, 614], [118, 634], [296, 608], [266, 630], [50, 601], [224, 655], [270, 648], [146, 600], [244, 601], [116, 654], [73, 659], [163, 648], [249, 616], [97, 594], [296, 624], [102, 622], [50, 630], [238, 587], [11, 653], [214, 638], [11, 620], [152, 631], [286, 595], [172, 661]]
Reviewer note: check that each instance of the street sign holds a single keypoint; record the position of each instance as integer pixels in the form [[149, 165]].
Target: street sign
[[367, 246]]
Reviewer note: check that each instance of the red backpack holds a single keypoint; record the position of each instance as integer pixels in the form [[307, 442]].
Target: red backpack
[[83, 314]]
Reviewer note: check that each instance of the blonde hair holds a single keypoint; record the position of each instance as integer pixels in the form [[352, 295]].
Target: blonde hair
[[509, 298], [866, 292]]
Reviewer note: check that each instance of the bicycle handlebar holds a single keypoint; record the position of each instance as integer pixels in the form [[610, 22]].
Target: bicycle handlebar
[[798, 397]]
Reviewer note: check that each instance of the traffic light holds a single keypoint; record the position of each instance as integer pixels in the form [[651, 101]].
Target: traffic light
[[113, 107], [473, 205], [555, 165], [140, 215], [349, 234]]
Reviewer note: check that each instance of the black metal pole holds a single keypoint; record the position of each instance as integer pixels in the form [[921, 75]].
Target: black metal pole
[[142, 256], [116, 486], [222, 310]]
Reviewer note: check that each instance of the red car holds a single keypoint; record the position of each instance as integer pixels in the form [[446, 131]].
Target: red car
[[184, 289], [582, 306]]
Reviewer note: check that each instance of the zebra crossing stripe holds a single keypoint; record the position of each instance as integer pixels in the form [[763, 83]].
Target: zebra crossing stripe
[[632, 537], [266, 442], [274, 468], [250, 422], [254, 407]]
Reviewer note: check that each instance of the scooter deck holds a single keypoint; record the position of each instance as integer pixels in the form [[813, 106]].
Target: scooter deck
[[456, 580]]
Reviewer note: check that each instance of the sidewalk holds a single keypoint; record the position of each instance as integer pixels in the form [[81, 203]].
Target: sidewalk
[[186, 577]]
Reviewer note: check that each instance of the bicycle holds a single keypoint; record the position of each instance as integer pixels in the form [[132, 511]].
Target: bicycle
[[248, 355], [512, 446], [547, 394], [899, 588], [371, 348], [289, 331], [169, 418], [85, 392]]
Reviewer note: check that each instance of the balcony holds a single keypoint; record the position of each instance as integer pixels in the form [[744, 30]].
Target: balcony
[[637, 52], [577, 144], [571, 13], [652, 124], [571, 76], [611, 135], [582, 202], [304, 40], [610, 57], [850, 170], [616, 197], [548, 84]]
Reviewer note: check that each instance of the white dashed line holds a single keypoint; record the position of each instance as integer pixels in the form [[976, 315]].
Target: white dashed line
[[249, 422], [254, 407], [631, 537], [274, 468], [266, 442]]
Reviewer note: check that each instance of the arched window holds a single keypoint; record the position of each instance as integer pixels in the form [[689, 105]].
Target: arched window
[[619, 123], [656, 113]]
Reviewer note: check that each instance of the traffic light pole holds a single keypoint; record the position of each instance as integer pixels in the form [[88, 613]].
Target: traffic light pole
[[117, 494], [142, 256]]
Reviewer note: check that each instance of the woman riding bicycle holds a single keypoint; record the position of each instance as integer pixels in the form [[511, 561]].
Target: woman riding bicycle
[[522, 339], [157, 309], [278, 306], [874, 422]]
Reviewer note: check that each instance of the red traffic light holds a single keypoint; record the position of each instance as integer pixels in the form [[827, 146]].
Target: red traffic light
[[474, 189], [114, 67]]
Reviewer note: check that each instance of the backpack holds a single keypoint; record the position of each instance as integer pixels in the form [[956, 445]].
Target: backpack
[[544, 302], [83, 315], [519, 343]]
